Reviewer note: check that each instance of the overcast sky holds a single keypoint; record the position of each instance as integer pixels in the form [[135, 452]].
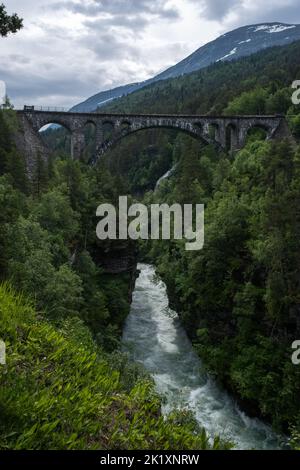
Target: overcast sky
[[72, 49]]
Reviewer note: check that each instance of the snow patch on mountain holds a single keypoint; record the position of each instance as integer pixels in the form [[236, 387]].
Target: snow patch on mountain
[[241, 42], [109, 99], [276, 28], [228, 55]]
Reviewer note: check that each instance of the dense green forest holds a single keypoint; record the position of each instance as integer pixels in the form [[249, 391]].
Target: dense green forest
[[61, 315], [259, 84], [66, 385], [239, 297]]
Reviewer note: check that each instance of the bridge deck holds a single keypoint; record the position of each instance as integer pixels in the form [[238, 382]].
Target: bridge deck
[[143, 115]]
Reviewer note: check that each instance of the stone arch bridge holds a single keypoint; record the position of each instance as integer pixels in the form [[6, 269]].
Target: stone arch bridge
[[228, 132]]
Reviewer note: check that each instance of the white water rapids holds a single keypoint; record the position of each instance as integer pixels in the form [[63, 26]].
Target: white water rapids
[[154, 337]]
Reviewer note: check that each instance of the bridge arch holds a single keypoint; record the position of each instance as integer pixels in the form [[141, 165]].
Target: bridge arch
[[199, 126], [259, 131], [231, 137], [62, 143], [108, 130], [132, 130], [260, 125], [48, 122], [209, 129], [214, 131], [90, 121], [90, 140], [125, 126], [109, 122]]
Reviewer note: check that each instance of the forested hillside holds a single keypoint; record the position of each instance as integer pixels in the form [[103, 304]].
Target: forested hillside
[[65, 385], [210, 91], [241, 42], [239, 297], [259, 84], [60, 391]]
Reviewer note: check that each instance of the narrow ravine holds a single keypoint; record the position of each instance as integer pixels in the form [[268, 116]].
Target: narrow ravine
[[154, 337]]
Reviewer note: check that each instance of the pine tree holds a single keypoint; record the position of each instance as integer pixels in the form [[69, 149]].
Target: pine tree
[[9, 24]]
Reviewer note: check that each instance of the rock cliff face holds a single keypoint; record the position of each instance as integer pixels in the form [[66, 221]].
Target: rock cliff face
[[120, 260], [116, 262]]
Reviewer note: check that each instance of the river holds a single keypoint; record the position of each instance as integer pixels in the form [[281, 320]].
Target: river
[[154, 337]]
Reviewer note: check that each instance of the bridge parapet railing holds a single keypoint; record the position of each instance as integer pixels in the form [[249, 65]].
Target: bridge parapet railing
[[55, 109]]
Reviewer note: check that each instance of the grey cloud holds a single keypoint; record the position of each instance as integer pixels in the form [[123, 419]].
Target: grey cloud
[[156, 8], [108, 47], [66, 90], [18, 59], [128, 22], [217, 10], [129, 15], [289, 13], [66, 65]]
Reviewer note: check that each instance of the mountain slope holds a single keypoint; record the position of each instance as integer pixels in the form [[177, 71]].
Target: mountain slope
[[104, 97], [257, 84], [211, 90], [235, 44], [241, 42]]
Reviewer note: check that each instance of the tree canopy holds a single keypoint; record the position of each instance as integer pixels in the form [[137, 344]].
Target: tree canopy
[[9, 23]]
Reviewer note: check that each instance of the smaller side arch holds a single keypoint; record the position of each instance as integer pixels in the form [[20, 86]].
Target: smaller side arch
[[198, 127], [90, 139], [55, 135], [258, 130], [231, 137], [125, 127], [108, 130], [90, 121], [126, 123], [213, 131], [40, 123], [108, 122]]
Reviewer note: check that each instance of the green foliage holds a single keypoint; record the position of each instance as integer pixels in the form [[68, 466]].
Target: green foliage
[[48, 243], [259, 84], [11, 162], [261, 81], [9, 23], [55, 215], [249, 102], [238, 297], [58, 391], [295, 125]]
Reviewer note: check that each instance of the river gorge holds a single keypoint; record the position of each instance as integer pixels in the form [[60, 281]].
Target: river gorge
[[154, 337]]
